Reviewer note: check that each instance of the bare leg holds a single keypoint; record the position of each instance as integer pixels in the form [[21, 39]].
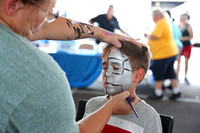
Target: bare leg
[[186, 70], [158, 89], [186, 66], [174, 83], [176, 93], [158, 84], [158, 92], [178, 66]]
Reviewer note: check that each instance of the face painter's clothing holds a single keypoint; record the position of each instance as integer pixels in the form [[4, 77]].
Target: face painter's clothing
[[35, 96]]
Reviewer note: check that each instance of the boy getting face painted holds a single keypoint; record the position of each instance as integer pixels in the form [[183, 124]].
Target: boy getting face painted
[[124, 69], [120, 73]]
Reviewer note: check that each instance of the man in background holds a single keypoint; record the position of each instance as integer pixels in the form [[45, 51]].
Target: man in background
[[107, 21], [164, 51]]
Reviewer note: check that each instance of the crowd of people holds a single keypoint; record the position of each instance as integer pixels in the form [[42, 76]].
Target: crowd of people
[[35, 93], [168, 42]]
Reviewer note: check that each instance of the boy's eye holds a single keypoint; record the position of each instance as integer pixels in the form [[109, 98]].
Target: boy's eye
[[115, 68], [104, 68]]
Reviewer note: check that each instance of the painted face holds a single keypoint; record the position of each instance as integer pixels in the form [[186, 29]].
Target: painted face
[[118, 75]]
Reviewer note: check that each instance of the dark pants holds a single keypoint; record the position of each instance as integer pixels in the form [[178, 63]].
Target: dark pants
[[163, 69]]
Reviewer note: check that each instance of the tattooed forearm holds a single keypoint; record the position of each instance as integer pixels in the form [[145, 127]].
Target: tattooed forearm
[[107, 33], [80, 28], [68, 23]]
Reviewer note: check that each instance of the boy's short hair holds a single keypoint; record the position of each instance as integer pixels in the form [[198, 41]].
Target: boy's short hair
[[139, 57]]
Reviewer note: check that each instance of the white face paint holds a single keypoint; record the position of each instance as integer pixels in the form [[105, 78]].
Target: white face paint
[[119, 73]]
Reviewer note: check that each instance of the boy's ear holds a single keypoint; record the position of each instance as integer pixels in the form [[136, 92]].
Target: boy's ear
[[139, 74], [11, 6]]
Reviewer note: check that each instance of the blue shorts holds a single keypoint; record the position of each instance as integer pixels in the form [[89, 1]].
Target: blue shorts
[[163, 69]]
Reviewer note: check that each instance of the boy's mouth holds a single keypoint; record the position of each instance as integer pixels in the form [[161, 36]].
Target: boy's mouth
[[106, 83]]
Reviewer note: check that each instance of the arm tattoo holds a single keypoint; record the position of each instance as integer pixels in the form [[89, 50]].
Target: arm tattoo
[[107, 33], [81, 28]]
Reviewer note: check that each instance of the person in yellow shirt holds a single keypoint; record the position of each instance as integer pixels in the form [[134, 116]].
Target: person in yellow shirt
[[164, 51]]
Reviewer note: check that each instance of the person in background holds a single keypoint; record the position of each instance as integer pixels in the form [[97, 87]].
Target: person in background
[[34, 92], [124, 69], [176, 35], [107, 21], [187, 35], [164, 51]]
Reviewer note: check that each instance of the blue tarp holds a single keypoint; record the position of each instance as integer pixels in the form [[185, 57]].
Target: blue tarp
[[81, 70]]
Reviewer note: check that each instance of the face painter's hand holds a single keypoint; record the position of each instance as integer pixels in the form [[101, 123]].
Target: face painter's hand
[[113, 38], [119, 105], [133, 99]]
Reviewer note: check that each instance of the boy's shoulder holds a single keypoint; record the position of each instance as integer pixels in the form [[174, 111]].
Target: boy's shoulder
[[144, 105], [97, 100], [94, 104], [146, 109]]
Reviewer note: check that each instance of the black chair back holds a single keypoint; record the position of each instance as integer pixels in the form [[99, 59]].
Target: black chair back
[[81, 109], [167, 123]]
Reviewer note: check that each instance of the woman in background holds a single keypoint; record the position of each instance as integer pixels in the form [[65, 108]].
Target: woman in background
[[187, 35]]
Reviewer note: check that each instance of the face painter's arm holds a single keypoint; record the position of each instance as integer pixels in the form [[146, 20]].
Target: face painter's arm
[[95, 122], [66, 29]]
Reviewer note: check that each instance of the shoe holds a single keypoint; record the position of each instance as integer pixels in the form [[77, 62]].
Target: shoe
[[154, 97], [175, 96], [187, 82]]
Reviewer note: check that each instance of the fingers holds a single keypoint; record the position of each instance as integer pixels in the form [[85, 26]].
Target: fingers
[[124, 94], [134, 41], [117, 44], [119, 104], [136, 100], [129, 39], [115, 39]]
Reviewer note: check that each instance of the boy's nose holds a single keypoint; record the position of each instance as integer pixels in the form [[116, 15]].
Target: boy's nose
[[108, 73]]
